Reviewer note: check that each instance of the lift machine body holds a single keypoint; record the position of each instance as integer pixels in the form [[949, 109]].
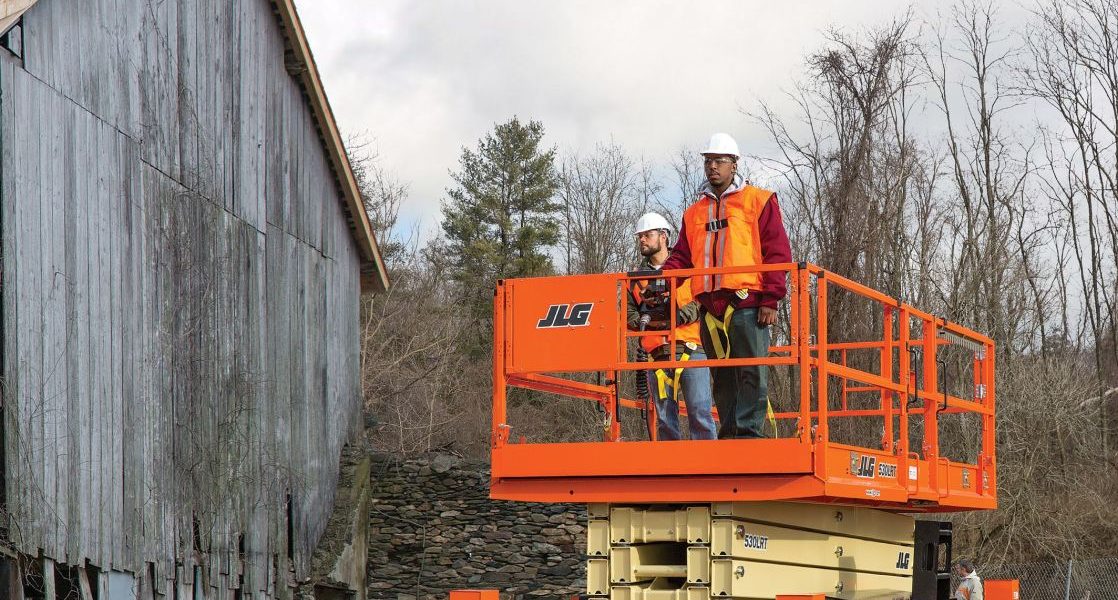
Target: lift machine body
[[812, 510]]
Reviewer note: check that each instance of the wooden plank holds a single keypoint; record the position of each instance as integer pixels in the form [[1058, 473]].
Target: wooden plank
[[164, 307], [278, 315], [85, 588], [101, 396], [153, 371], [15, 579], [132, 65], [308, 401], [72, 217], [15, 155], [319, 188], [80, 359], [277, 146], [131, 335], [297, 269], [96, 173], [83, 67], [77, 318], [55, 397], [249, 194], [43, 401], [49, 586], [259, 538], [116, 226], [187, 93], [28, 245], [158, 85], [228, 23], [204, 92], [11, 157], [297, 202]]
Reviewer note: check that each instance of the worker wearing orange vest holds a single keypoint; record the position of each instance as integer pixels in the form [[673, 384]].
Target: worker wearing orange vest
[[653, 234], [732, 223]]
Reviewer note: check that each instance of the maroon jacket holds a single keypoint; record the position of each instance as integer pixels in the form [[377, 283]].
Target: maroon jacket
[[774, 249]]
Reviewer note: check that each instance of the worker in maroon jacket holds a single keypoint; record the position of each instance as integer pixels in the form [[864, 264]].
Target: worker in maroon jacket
[[734, 224]]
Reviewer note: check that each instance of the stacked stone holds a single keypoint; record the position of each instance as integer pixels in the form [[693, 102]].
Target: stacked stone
[[433, 528]]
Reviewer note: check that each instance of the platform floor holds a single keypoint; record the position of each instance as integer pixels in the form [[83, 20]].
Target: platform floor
[[737, 470]]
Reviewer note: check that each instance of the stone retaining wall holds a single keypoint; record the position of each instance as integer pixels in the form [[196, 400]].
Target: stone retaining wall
[[433, 528]]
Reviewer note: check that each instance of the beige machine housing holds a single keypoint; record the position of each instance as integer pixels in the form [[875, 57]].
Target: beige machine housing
[[747, 550]]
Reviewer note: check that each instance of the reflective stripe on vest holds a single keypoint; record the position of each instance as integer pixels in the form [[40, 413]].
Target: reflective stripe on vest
[[724, 233], [688, 334]]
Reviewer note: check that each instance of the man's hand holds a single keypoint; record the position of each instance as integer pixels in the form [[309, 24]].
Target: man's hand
[[766, 316], [656, 324]]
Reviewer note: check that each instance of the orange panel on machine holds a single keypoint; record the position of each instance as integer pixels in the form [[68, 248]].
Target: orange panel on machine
[[474, 595], [561, 324], [1001, 589]]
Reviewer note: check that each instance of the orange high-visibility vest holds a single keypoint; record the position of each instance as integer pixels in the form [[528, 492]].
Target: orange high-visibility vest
[[724, 233], [683, 333]]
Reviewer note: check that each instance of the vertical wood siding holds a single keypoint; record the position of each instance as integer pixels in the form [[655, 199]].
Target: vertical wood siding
[[180, 296]]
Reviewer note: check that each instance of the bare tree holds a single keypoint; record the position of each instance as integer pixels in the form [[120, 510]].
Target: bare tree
[[847, 160], [991, 264], [851, 175], [416, 394], [1073, 69], [602, 194], [382, 194], [687, 167]]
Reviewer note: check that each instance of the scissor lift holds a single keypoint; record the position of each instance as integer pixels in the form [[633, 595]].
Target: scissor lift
[[548, 328]]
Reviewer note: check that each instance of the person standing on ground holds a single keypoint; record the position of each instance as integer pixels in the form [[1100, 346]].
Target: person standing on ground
[[653, 235], [970, 588], [734, 224]]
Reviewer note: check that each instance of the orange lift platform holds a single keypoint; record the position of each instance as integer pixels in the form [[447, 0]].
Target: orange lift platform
[[562, 335]]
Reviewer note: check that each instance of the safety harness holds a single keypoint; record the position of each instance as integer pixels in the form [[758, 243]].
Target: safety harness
[[663, 379], [720, 338]]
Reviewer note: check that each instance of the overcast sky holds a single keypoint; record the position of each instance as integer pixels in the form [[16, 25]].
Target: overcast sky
[[423, 79]]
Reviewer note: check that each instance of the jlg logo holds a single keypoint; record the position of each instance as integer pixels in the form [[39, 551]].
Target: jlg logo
[[903, 560], [866, 467], [566, 315]]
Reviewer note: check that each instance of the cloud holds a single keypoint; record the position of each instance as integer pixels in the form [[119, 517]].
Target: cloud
[[425, 79]]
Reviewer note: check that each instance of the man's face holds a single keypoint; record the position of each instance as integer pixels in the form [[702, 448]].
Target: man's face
[[651, 241], [719, 168]]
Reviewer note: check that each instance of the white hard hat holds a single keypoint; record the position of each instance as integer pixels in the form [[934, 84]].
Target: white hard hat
[[650, 221], [722, 143]]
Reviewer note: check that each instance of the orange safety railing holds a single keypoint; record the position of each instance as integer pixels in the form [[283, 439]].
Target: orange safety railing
[[547, 326]]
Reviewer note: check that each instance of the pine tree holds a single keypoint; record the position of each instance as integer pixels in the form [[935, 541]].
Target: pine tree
[[501, 218]]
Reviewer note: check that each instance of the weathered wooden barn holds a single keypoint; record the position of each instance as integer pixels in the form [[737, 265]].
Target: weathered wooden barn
[[184, 250]]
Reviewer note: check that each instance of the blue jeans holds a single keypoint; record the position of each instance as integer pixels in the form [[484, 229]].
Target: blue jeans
[[696, 388]]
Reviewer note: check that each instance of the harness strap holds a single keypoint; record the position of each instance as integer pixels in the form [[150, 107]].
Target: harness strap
[[720, 332], [720, 338], [663, 380]]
